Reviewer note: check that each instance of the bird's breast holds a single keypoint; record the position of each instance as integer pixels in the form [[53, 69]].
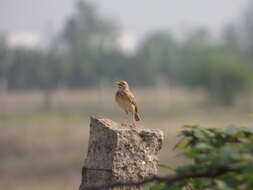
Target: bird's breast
[[123, 101]]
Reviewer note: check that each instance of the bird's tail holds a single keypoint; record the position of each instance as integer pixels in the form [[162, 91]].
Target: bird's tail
[[136, 117]]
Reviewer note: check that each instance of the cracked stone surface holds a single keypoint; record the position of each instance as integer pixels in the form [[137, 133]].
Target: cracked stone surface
[[120, 154]]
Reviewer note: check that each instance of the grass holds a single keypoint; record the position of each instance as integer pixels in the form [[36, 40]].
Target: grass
[[42, 149]]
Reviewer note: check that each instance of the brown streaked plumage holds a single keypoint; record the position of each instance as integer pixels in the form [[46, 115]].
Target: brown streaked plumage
[[125, 99]]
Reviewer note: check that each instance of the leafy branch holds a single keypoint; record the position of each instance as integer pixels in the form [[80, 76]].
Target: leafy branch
[[169, 180]]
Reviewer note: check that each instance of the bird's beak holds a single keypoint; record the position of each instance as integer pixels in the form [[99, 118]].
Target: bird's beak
[[116, 83]]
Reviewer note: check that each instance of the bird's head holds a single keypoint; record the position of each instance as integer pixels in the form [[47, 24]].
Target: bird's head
[[122, 84]]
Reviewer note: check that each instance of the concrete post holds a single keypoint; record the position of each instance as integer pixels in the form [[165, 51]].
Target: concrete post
[[120, 154]]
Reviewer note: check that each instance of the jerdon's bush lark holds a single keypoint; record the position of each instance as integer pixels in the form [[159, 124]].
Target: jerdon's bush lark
[[125, 99]]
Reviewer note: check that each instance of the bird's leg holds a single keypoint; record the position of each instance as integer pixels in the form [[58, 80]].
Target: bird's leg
[[133, 120], [125, 120]]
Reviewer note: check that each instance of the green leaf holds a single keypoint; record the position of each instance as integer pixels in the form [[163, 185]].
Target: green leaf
[[182, 144], [199, 133], [166, 166], [222, 185], [203, 146]]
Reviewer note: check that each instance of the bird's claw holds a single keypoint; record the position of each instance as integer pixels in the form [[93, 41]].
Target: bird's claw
[[123, 124], [133, 125]]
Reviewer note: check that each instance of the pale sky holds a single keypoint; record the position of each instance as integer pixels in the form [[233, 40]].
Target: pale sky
[[135, 16]]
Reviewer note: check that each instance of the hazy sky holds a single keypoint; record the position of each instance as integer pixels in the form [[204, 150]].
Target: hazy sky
[[135, 16]]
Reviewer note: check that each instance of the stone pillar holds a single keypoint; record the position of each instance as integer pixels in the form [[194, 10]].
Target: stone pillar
[[120, 154]]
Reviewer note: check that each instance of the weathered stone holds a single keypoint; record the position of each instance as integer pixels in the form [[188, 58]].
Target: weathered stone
[[120, 154]]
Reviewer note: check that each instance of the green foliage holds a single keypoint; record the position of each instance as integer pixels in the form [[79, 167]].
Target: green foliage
[[159, 52], [90, 43], [223, 157], [222, 74]]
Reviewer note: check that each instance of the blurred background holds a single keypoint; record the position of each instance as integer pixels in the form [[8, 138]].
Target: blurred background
[[188, 62]]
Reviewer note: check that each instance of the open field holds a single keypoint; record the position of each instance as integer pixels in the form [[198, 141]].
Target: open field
[[44, 149]]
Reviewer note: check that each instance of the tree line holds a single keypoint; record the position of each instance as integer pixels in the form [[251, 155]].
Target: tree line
[[86, 51]]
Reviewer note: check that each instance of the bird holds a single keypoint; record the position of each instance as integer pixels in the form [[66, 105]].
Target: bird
[[126, 101]]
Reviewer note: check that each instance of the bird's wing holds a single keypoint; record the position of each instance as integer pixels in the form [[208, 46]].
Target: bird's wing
[[130, 97]]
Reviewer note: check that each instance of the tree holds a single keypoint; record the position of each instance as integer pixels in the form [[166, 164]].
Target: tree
[[247, 26], [87, 38], [220, 71], [3, 64], [157, 55], [231, 38]]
